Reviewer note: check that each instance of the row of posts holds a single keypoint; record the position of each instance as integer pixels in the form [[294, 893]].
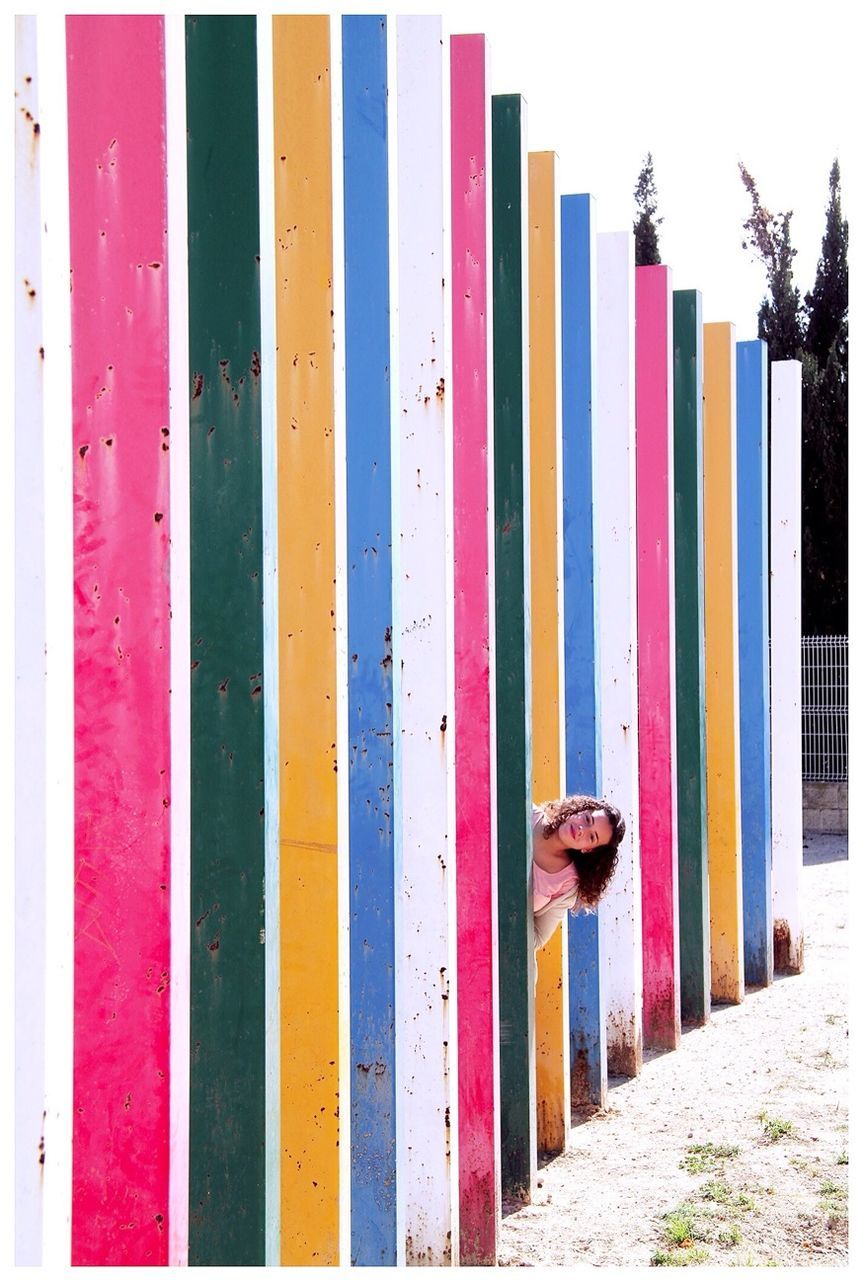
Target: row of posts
[[365, 492]]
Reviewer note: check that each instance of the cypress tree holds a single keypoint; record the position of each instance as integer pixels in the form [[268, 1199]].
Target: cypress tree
[[646, 223], [827, 304], [814, 331], [825, 430]]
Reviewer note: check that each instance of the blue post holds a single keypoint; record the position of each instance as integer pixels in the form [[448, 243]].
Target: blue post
[[752, 525], [370, 679], [587, 1033]]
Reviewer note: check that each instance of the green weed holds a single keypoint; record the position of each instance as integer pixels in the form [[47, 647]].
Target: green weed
[[842, 1158], [704, 1157], [718, 1192], [679, 1257], [680, 1227], [834, 1200], [775, 1127]]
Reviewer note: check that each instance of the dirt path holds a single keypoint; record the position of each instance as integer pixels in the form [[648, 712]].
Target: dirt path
[[757, 1193]]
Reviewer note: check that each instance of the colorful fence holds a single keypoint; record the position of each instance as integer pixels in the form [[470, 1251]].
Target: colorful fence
[[355, 511]]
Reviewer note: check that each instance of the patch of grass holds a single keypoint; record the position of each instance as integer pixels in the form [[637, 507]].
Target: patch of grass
[[704, 1157], [731, 1235], [744, 1202], [679, 1257], [834, 1200], [775, 1127], [680, 1226], [718, 1192], [842, 1157]]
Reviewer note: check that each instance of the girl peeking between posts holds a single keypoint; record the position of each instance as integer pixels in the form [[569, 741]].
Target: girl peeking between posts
[[575, 843]]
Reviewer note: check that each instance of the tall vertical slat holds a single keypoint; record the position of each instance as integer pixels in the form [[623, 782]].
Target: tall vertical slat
[[30, 649], [785, 552], [752, 605], [552, 988], [370, 708], [270, 651], [614, 442], [122, 639], [691, 796], [587, 1034], [55, 1158], [180, 709], [512, 645], [308, 799], [721, 664], [479, 1158], [227, 1113], [656, 701], [426, 1027]]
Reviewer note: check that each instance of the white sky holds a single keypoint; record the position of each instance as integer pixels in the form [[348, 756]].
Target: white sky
[[701, 86]]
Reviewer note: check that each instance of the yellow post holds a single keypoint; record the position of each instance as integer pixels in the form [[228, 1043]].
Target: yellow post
[[552, 1058], [309, 1047], [721, 665]]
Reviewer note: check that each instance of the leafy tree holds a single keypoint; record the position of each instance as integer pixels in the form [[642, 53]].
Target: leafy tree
[[780, 318], [646, 223]]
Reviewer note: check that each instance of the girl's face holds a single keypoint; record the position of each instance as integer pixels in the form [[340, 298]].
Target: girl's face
[[586, 831]]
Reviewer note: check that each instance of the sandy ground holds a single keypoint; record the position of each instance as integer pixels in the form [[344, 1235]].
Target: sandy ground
[[758, 1192]]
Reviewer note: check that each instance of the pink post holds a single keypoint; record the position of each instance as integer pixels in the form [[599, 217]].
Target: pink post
[[656, 695], [479, 1174], [118, 233]]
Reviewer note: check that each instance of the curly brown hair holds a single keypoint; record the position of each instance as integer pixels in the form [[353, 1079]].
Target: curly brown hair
[[596, 867]]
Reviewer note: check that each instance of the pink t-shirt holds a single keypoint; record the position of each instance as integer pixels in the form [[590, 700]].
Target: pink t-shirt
[[551, 884]]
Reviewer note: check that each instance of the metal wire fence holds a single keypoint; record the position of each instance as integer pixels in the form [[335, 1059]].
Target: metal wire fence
[[824, 706]]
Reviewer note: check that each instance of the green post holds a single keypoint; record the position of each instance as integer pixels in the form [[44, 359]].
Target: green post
[[226, 1141], [512, 652], [689, 630]]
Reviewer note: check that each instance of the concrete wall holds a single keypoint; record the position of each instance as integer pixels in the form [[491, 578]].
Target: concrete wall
[[825, 806]]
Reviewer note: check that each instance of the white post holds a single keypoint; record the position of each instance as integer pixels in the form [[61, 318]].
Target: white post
[[427, 1123], [30, 704], [785, 718], [614, 460], [59, 657], [180, 705]]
